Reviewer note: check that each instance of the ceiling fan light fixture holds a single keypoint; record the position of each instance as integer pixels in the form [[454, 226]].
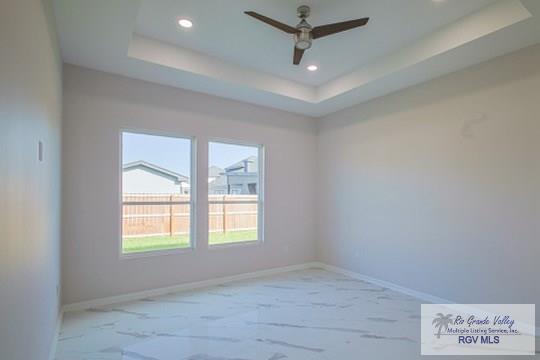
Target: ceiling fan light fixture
[[312, 67], [185, 23], [303, 45]]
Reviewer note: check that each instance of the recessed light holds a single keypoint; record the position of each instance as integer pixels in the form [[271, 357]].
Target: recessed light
[[312, 67], [185, 23]]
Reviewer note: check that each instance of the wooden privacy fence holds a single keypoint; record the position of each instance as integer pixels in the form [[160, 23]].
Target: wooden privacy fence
[[156, 214]]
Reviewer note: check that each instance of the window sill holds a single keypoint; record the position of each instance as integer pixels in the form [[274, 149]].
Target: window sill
[[235, 244], [154, 253]]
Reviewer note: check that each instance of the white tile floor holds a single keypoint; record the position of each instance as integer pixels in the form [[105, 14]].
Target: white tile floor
[[311, 315]]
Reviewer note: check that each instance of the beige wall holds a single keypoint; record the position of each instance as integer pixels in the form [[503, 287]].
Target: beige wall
[[437, 187], [30, 111], [434, 187], [97, 106]]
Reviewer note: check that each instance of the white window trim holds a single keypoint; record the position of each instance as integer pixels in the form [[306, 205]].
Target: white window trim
[[193, 195], [261, 152]]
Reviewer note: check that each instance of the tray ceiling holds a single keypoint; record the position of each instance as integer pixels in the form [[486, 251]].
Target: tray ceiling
[[229, 54]]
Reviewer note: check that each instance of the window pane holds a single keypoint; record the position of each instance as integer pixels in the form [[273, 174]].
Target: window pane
[[233, 193], [156, 193]]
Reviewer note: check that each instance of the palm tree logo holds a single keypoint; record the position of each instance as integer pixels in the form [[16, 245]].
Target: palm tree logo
[[442, 321]]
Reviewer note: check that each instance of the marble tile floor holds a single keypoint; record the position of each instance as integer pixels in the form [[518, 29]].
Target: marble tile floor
[[302, 315]]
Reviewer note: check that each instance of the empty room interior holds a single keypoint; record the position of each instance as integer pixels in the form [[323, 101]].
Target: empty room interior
[[269, 179]]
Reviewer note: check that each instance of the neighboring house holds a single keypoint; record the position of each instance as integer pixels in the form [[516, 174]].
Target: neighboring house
[[239, 178], [141, 177], [144, 177], [214, 172]]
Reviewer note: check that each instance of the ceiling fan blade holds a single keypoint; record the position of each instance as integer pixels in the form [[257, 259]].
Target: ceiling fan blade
[[298, 53], [324, 30], [272, 22]]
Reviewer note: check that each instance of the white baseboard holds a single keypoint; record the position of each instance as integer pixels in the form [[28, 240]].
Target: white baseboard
[[246, 276], [84, 305], [58, 327], [404, 290]]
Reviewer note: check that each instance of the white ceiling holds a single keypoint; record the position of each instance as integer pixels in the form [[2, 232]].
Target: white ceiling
[[223, 31], [229, 54]]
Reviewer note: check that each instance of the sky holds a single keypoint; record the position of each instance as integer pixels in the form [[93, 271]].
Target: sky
[[174, 153]]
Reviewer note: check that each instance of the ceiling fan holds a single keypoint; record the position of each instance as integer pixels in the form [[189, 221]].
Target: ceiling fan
[[304, 33]]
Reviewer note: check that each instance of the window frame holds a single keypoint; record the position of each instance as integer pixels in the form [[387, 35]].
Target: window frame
[[193, 194], [261, 153]]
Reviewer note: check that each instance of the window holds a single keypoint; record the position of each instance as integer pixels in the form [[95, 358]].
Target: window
[[157, 200], [235, 195]]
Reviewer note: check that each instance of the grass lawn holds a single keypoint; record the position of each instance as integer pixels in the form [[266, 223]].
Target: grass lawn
[[152, 243]]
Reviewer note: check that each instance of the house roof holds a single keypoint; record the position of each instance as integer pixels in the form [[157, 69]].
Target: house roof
[[240, 164], [156, 169]]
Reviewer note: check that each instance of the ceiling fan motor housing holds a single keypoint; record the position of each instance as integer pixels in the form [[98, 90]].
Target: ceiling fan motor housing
[[303, 38]]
